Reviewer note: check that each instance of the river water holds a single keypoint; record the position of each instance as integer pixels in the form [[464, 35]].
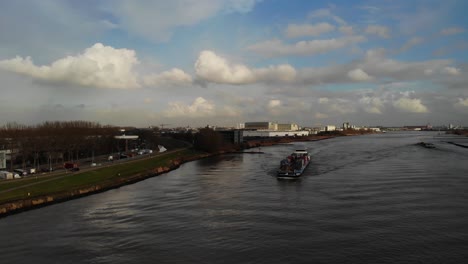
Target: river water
[[363, 199]]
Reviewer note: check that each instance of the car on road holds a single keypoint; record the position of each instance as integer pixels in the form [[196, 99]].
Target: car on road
[[20, 172]]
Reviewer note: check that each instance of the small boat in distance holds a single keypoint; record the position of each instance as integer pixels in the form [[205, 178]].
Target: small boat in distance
[[294, 165]]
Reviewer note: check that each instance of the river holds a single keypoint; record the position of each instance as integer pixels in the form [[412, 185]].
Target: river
[[363, 199]]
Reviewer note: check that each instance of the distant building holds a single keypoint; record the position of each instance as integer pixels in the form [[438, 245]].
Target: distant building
[[415, 128], [288, 127], [330, 128], [266, 133], [261, 125], [346, 126]]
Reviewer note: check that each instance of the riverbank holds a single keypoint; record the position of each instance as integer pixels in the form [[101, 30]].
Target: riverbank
[[18, 196], [38, 192]]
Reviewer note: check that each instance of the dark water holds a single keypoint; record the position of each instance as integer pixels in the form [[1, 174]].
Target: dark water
[[365, 199]]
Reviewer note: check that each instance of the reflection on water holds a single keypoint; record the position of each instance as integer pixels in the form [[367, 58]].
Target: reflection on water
[[364, 199]]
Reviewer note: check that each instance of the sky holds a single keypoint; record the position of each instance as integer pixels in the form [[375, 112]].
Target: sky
[[223, 62]]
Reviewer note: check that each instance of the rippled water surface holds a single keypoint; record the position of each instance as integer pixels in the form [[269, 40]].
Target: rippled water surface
[[364, 199]]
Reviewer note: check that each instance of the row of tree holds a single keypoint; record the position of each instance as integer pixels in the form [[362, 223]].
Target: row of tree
[[49, 143], [54, 142]]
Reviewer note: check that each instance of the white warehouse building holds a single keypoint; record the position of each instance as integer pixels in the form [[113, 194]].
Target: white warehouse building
[[258, 133]]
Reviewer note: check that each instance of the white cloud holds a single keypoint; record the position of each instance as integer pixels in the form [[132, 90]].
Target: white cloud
[[283, 72], [452, 31], [274, 103], [319, 115], [98, 66], [325, 13], [451, 71], [273, 48], [213, 68], [348, 30], [199, 108], [173, 77], [240, 6], [333, 106], [323, 100], [411, 43], [295, 30], [358, 75], [406, 104], [157, 20], [381, 31], [372, 105], [377, 64], [462, 103]]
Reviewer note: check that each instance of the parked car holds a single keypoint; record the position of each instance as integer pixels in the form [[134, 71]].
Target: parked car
[[46, 170], [71, 166], [21, 172], [6, 175]]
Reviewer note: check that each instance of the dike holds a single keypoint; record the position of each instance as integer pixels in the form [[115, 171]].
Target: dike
[[18, 206]]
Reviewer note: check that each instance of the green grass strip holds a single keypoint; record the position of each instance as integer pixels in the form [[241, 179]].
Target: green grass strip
[[83, 179]]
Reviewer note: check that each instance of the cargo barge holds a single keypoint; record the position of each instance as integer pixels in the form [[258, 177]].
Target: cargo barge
[[294, 165]]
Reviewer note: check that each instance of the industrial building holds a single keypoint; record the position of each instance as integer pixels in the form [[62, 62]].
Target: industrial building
[[264, 133], [261, 126], [288, 127]]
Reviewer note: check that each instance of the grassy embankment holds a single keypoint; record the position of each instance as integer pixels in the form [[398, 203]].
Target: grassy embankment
[[65, 182]]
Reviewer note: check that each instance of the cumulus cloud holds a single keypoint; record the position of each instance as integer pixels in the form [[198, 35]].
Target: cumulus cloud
[[323, 100], [173, 77], [381, 31], [451, 71], [358, 75], [98, 66], [451, 31], [199, 108], [333, 106], [319, 115], [406, 104], [377, 64], [213, 68], [274, 103], [372, 105], [275, 47], [283, 72], [295, 30], [462, 103]]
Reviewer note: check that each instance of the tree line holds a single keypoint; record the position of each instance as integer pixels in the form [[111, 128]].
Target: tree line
[[55, 142]]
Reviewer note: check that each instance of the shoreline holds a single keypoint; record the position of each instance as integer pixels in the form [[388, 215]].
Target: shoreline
[[22, 205]]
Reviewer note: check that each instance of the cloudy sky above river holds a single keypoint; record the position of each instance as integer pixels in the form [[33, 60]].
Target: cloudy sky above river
[[223, 62]]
